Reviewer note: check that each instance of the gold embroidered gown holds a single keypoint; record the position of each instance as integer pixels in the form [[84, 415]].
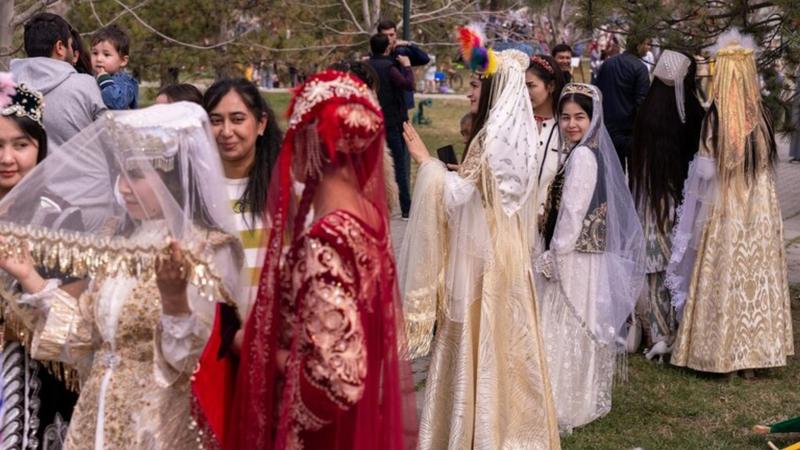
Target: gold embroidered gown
[[487, 385], [135, 362], [737, 313]]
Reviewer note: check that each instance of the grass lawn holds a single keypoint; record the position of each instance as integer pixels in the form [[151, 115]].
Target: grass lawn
[[664, 407]]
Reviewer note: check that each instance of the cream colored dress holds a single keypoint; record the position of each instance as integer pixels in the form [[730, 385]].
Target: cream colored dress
[[737, 313], [487, 386], [135, 362]]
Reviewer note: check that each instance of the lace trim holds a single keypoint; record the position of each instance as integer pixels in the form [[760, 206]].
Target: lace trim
[[83, 256]]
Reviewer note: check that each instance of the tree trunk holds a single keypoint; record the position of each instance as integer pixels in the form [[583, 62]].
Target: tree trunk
[[6, 32]]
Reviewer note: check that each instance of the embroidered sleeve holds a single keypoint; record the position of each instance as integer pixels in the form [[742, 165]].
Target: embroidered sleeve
[[332, 344]]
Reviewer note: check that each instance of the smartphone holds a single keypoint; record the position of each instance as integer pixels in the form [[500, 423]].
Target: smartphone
[[447, 154]]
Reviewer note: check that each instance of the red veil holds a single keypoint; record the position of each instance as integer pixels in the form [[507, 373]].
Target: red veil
[[334, 120]]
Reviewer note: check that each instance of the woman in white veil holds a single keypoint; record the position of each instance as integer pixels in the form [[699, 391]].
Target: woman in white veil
[[467, 257], [159, 251], [592, 271]]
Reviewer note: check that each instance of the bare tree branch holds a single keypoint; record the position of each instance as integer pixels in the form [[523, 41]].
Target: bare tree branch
[[31, 11]]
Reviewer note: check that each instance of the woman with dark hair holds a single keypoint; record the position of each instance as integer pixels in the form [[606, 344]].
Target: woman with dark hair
[[181, 92], [665, 139], [249, 140], [26, 381], [591, 271], [80, 57], [545, 80], [23, 142]]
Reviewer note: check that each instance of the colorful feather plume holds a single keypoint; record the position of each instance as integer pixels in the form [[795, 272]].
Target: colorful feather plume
[[473, 48]]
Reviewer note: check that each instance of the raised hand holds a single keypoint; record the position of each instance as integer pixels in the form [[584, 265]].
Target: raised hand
[[172, 278]]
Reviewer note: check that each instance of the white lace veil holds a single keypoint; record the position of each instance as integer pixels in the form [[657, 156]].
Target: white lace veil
[[510, 134], [622, 272], [82, 210], [672, 68]]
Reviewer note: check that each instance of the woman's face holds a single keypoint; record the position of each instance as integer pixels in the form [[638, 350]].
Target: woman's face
[[138, 195], [236, 129], [18, 154], [539, 92], [574, 122], [474, 94]]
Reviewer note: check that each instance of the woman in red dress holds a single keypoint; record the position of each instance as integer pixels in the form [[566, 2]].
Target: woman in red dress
[[321, 359]]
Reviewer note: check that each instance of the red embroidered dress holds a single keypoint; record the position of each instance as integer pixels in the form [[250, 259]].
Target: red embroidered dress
[[328, 303], [330, 297]]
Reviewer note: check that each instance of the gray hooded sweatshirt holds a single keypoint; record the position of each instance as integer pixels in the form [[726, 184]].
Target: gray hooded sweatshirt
[[72, 101]]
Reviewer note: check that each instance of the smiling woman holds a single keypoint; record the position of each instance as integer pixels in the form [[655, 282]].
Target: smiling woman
[[23, 144], [248, 139]]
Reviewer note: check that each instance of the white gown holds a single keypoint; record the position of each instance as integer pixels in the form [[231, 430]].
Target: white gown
[[581, 367]]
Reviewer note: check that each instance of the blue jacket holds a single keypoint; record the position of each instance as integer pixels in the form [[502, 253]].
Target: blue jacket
[[418, 57], [120, 91]]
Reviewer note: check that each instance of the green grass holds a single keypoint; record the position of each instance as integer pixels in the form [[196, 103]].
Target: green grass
[[664, 407]]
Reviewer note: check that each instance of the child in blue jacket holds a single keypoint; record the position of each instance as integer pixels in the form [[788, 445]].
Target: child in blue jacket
[[110, 46]]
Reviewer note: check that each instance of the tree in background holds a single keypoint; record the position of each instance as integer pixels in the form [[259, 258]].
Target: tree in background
[[692, 25]]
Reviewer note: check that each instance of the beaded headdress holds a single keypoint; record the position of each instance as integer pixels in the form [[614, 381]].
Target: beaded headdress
[[579, 88], [25, 103]]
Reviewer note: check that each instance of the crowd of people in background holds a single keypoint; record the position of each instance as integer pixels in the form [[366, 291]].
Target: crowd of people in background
[[209, 279]]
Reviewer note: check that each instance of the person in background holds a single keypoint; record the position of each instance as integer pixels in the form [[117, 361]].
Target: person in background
[[73, 99], [665, 139], [624, 81], [80, 57], [562, 53], [110, 47], [545, 81], [248, 139], [416, 56], [181, 92], [392, 82]]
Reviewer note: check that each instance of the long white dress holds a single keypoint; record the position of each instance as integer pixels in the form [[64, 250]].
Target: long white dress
[[581, 365]]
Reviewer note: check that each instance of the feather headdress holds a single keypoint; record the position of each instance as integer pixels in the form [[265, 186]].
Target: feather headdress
[[473, 48]]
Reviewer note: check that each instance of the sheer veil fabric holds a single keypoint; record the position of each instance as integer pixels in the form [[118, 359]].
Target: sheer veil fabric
[[165, 159], [487, 385], [591, 274]]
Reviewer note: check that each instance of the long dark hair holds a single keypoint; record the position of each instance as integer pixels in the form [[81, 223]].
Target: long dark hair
[[548, 75], [34, 131], [663, 146], [84, 62], [182, 92], [268, 145], [479, 120]]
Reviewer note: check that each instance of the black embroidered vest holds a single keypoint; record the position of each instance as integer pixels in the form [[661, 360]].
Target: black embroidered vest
[[592, 238]]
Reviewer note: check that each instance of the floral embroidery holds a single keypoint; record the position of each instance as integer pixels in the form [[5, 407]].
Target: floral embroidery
[[593, 234]]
